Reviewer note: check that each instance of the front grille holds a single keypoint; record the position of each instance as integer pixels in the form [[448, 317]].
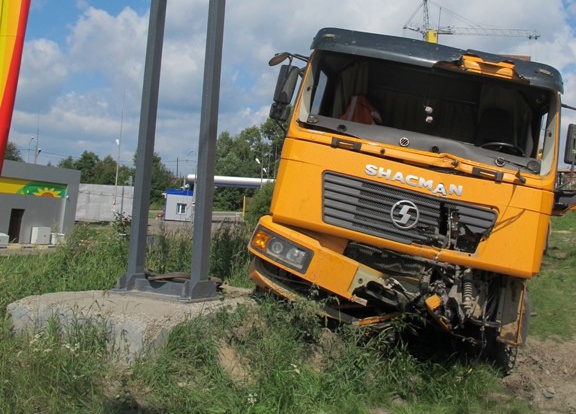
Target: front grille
[[364, 206]]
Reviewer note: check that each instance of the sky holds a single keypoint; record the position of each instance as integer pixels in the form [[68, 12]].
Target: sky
[[80, 85]]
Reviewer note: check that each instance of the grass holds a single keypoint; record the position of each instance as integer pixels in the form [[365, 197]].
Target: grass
[[275, 359], [152, 214], [272, 358], [49, 371], [553, 291]]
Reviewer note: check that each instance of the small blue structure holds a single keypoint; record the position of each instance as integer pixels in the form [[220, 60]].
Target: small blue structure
[[179, 205]]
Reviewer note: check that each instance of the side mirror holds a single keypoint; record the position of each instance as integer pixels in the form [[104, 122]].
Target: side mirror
[[570, 149], [286, 84], [285, 87]]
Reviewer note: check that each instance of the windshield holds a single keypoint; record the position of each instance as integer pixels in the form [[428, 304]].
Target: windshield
[[440, 109]]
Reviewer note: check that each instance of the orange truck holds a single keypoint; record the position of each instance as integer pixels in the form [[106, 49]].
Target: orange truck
[[13, 18], [414, 177]]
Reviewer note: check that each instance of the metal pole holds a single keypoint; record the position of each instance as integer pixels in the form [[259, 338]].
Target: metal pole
[[117, 170], [36, 151], [122, 202], [28, 157], [145, 151], [199, 286]]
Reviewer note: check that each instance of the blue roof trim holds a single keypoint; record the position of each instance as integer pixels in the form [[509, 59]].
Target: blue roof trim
[[174, 191]]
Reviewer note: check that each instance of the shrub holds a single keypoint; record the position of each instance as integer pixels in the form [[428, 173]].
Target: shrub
[[259, 205], [229, 251]]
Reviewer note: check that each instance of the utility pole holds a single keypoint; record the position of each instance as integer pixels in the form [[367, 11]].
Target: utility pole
[[29, 143], [36, 150], [117, 170], [118, 145]]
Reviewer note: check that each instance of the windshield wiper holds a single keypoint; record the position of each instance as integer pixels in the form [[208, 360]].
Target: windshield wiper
[[533, 166], [312, 123]]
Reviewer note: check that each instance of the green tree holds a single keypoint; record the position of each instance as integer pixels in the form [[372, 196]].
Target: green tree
[[87, 164], [254, 152], [67, 163], [274, 133], [162, 179], [259, 204], [105, 171], [12, 152], [235, 157], [124, 173]]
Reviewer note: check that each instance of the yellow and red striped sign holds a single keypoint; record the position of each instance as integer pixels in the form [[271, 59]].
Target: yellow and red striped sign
[[13, 18]]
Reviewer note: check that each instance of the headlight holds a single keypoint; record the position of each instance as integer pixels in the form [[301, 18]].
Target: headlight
[[281, 250]]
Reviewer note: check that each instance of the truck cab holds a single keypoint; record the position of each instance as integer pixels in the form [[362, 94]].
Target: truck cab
[[414, 177]]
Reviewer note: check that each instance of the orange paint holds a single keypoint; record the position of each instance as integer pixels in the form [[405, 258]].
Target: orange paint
[[13, 18]]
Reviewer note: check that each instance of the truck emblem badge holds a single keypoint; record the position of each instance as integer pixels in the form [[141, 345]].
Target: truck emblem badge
[[404, 142], [404, 214]]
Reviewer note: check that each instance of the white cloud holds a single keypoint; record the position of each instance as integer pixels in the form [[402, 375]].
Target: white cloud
[[110, 46], [42, 75]]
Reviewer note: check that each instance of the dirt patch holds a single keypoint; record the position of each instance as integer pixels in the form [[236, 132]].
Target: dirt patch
[[545, 375], [233, 364]]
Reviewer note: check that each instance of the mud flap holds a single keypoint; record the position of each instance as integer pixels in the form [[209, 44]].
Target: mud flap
[[513, 312]]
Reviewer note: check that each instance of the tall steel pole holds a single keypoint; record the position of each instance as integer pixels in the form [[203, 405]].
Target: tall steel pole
[[145, 150], [199, 285]]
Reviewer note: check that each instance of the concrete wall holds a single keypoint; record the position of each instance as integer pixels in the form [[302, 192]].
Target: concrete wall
[[97, 203], [42, 196]]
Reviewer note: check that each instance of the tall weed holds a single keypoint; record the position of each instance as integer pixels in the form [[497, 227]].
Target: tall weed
[[229, 252], [91, 259], [54, 370], [170, 251]]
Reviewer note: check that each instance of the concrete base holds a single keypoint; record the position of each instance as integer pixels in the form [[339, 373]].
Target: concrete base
[[137, 321]]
